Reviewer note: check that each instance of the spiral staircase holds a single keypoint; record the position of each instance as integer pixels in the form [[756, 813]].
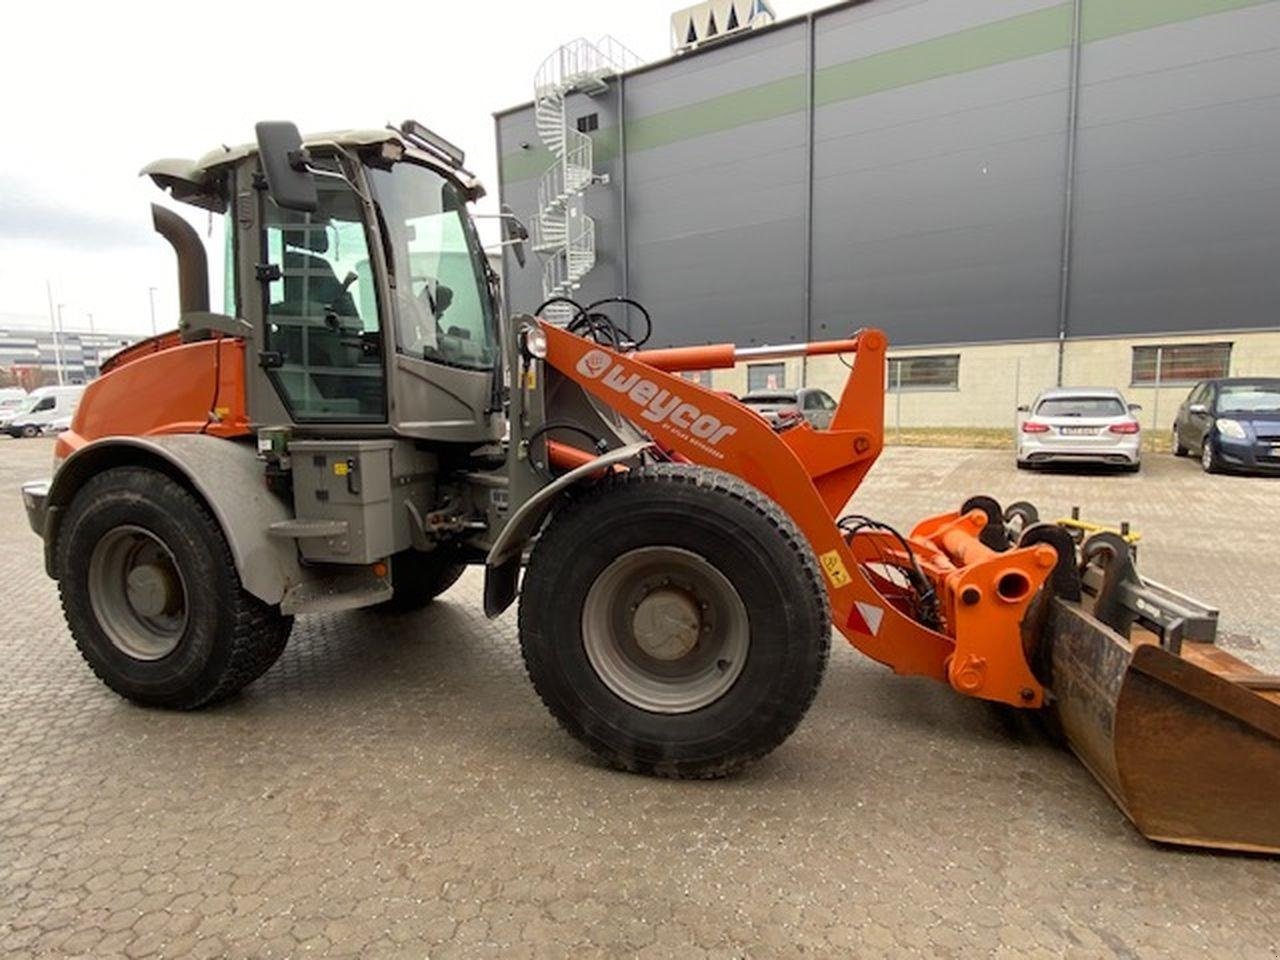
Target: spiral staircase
[[564, 235]]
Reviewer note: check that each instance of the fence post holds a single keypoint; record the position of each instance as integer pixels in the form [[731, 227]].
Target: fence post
[[1017, 397], [897, 401], [1155, 403]]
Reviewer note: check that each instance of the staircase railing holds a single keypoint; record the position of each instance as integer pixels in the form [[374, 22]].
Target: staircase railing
[[563, 234]]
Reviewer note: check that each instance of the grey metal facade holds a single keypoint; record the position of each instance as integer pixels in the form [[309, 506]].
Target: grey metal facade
[[920, 165]]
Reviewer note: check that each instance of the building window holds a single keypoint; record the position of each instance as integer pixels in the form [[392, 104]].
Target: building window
[[588, 122], [701, 377], [1180, 363], [939, 372], [766, 376]]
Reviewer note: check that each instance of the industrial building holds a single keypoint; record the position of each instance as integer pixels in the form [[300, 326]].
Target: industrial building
[[1022, 193], [30, 357]]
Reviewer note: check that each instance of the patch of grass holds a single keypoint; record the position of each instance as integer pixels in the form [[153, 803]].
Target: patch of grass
[[987, 438], [969, 438]]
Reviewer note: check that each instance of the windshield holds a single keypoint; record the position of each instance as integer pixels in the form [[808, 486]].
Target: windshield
[[1249, 398], [29, 403], [443, 311], [1081, 407]]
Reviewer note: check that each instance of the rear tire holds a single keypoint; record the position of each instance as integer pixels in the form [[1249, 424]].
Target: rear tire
[[674, 620], [418, 578], [152, 597]]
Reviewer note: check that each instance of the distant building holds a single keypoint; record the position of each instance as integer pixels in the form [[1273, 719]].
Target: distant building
[[30, 358]]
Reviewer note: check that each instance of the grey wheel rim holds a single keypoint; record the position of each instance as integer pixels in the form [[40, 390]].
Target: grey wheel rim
[[665, 630], [1206, 456], [137, 593]]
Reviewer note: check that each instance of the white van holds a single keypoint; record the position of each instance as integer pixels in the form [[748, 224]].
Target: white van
[[11, 398], [43, 407]]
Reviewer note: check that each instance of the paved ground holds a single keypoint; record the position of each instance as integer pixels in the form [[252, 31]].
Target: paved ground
[[393, 788]]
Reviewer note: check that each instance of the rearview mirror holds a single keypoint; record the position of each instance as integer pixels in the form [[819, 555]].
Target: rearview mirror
[[1024, 408], [1198, 408], [514, 234], [284, 163], [1135, 407]]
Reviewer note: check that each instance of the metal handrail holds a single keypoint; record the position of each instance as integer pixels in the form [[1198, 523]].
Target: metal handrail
[[578, 64]]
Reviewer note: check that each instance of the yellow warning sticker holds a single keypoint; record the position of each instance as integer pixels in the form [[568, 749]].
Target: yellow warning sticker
[[531, 379], [834, 568], [340, 468]]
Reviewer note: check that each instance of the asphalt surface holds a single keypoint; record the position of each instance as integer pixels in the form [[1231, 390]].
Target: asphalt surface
[[394, 788]]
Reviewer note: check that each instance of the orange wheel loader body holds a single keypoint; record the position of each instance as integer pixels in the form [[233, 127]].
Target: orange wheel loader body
[[164, 386]]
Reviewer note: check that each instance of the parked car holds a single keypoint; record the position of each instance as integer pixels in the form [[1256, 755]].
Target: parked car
[[1080, 425], [43, 407], [1231, 424], [784, 408]]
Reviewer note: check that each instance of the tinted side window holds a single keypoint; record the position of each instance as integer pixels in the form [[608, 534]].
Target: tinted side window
[[46, 403]]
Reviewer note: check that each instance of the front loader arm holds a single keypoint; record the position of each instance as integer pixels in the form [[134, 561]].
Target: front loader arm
[[811, 475]]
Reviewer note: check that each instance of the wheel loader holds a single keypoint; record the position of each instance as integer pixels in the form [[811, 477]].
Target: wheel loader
[[364, 421]]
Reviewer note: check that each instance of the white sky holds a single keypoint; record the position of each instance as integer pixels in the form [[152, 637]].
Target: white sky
[[94, 90]]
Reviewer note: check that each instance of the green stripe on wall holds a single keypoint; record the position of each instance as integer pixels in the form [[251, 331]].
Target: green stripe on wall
[[1111, 18], [983, 46], [763, 102], [1002, 41]]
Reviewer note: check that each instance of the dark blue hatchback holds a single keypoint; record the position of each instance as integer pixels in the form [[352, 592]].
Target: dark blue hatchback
[[1231, 424]]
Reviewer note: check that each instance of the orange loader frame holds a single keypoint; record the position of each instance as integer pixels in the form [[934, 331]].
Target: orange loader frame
[[982, 594]]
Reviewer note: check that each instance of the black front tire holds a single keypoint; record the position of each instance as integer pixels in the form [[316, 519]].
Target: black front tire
[[1209, 461], [30, 431], [229, 639], [752, 544], [1178, 449], [418, 578]]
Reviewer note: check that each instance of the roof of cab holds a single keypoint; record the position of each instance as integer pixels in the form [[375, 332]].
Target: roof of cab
[[197, 171]]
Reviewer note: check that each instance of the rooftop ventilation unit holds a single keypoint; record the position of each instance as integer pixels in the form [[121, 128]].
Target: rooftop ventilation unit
[[709, 21]]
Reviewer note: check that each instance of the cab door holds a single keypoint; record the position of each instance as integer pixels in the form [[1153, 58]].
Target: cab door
[[322, 336]]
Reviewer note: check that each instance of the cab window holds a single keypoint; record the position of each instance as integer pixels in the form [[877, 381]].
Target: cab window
[[322, 340], [442, 305]]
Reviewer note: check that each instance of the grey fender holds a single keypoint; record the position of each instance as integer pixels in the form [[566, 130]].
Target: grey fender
[[502, 565], [225, 474]]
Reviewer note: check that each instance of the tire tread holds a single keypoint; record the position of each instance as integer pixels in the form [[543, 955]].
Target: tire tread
[[258, 633], [815, 599]]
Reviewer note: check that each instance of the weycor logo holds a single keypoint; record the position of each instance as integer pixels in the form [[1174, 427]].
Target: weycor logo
[[661, 406], [593, 363]]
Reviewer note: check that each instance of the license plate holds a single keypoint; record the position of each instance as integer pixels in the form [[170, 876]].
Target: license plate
[[1077, 431]]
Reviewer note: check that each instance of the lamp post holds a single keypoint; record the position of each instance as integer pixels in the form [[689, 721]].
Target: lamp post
[[57, 343], [151, 294]]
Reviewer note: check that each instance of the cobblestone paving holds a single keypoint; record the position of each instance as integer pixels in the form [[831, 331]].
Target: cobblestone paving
[[393, 788]]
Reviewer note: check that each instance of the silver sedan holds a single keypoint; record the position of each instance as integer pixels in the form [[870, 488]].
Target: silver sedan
[[1080, 425]]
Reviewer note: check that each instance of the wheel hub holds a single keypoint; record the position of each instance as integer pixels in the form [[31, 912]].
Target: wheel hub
[[149, 589], [665, 630], [137, 593], [666, 624]]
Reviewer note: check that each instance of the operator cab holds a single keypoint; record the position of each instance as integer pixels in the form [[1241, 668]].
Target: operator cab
[[358, 279]]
